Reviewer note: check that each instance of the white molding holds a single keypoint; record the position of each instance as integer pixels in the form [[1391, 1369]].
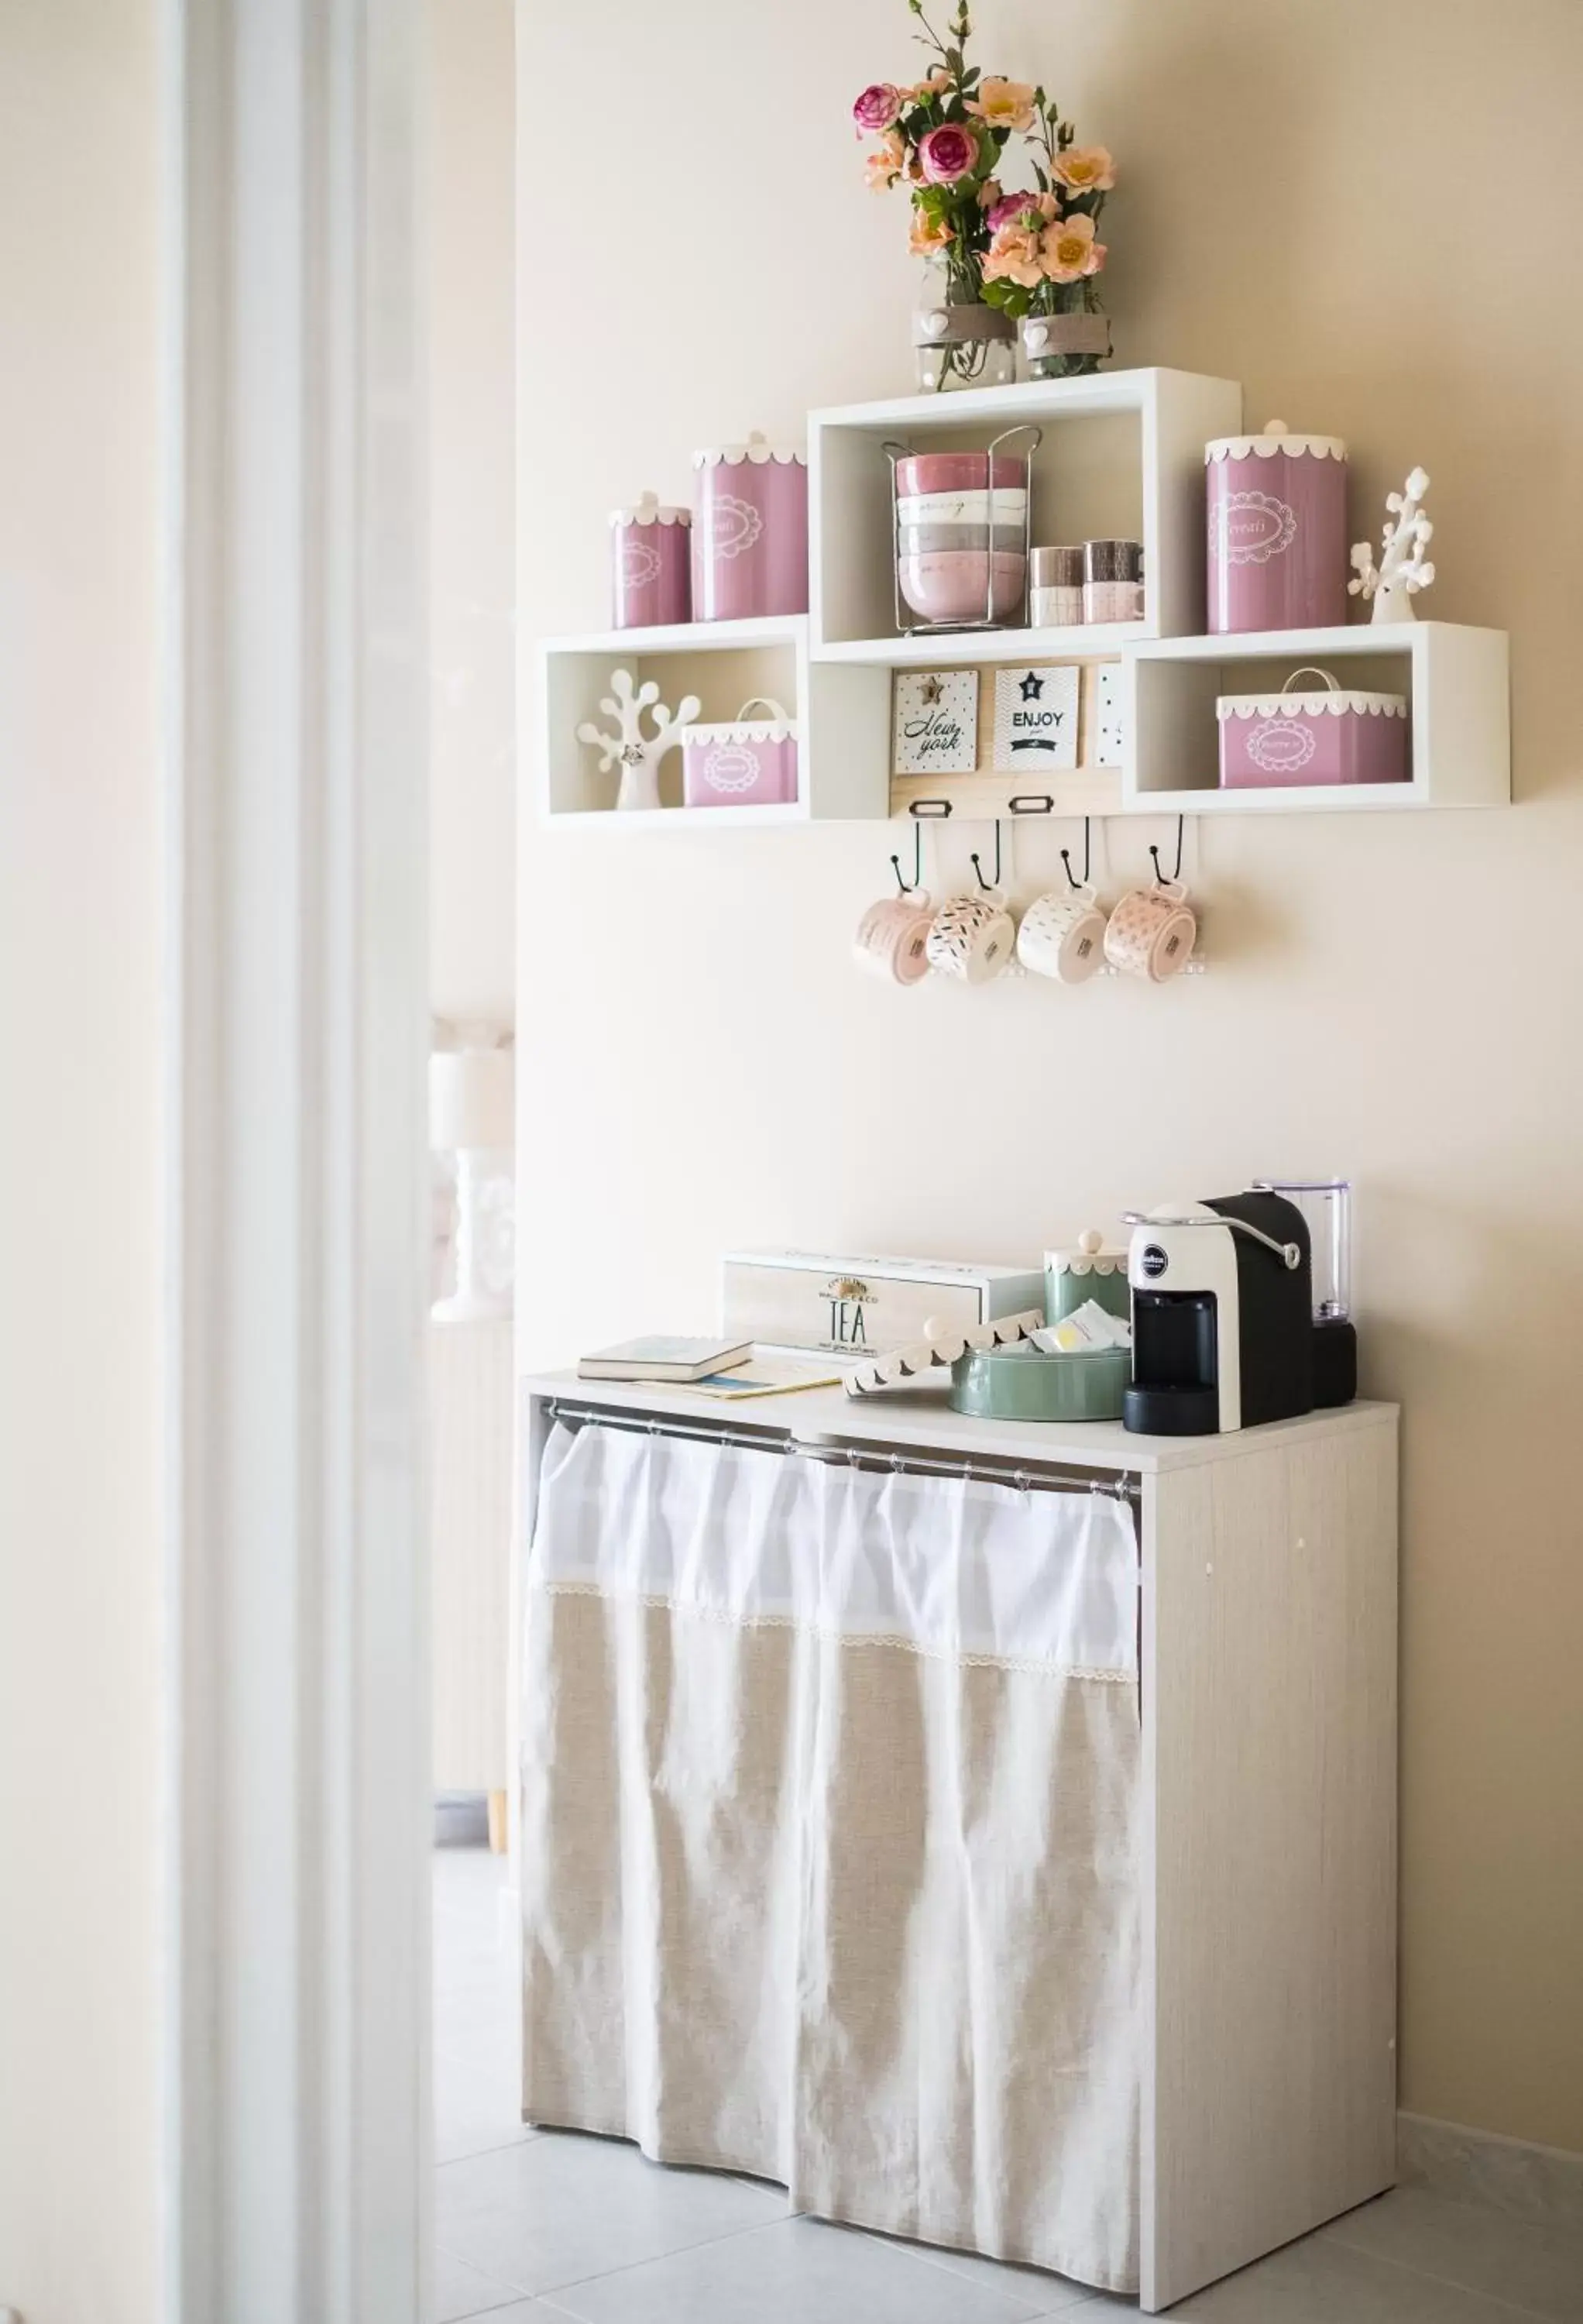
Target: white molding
[[295, 2015]]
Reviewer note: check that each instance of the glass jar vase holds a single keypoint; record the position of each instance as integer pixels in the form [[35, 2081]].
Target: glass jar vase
[[1070, 341], [957, 340]]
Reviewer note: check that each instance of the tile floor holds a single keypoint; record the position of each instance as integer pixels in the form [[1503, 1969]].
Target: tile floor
[[538, 2227]]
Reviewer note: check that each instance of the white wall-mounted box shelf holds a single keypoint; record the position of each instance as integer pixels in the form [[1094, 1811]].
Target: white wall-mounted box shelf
[[1121, 457], [844, 715], [1455, 679]]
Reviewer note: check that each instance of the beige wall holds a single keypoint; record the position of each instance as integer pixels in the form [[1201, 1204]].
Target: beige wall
[[79, 1034], [468, 217], [1370, 215]]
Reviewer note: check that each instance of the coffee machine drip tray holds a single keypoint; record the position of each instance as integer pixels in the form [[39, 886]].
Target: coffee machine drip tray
[[1171, 1411]]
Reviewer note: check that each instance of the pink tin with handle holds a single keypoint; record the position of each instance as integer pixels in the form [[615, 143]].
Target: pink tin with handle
[[650, 553], [748, 762], [1277, 531], [750, 531], [1279, 740]]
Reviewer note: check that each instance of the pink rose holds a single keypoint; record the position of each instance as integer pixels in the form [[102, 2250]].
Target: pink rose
[[1011, 209], [877, 108], [948, 153]]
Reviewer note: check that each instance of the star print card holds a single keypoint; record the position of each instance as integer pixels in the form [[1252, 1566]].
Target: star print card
[[936, 730], [1035, 719]]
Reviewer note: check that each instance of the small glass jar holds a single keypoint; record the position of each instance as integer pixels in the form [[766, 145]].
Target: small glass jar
[[1112, 581], [1056, 579]]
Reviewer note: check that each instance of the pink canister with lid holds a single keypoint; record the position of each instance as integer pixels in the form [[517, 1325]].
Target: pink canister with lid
[[1277, 531], [746, 762], [650, 564], [750, 531]]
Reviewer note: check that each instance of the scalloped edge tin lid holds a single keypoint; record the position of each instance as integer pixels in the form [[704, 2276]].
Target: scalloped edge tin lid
[[649, 509], [757, 448], [1276, 437]]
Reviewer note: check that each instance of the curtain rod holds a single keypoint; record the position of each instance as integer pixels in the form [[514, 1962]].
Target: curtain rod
[[1036, 1476]]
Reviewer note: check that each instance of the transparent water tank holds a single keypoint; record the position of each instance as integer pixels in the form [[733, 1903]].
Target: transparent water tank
[[1327, 1205]]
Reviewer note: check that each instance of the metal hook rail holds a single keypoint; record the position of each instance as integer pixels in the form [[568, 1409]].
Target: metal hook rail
[[895, 1460]]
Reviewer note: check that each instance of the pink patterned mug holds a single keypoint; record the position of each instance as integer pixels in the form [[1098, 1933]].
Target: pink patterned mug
[[1151, 932], [893, 937]]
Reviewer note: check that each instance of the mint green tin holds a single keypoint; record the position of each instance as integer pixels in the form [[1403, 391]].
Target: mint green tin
[[1024, 1383], [1087, 1271]]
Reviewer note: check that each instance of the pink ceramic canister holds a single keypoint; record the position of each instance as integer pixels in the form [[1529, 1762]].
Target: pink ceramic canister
[[1277, 531], [651, 555], [750, 531], [1273, 742]]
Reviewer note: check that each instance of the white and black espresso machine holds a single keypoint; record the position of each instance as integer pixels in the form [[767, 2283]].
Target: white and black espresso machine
[[1224, 1332]]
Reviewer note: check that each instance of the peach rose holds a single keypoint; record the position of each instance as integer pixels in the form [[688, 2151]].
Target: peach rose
[[928, 236], [1085, 169], [884, 164], [936, 79], [1014, 256], [1068, 250], [1004, 104], [988, 193]]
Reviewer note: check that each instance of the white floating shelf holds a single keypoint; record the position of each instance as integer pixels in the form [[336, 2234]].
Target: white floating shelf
[[1122, 457], [844, 714], [961, 649], [1455, 677]]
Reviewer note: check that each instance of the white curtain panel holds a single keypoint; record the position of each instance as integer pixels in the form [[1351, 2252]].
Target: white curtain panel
[[830, 1796]]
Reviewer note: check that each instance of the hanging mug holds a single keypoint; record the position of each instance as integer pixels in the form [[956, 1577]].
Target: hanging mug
[[1062, 935], [892, 939], [1151, 932], [972, 937]]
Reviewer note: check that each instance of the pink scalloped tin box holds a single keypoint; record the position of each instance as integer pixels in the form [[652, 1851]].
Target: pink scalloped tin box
[[750, 531], [1277, 531], [1277, 742], [651, 578], [746, 762]]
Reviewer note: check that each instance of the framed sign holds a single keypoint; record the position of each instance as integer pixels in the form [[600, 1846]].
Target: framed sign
[[936, 722], [1035, 719]]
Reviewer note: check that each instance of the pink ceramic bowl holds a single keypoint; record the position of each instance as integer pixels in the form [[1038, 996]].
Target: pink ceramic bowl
[[958, 472], [952, 584]]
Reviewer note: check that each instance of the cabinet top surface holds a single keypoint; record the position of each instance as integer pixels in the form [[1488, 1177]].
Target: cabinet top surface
[[921, 1418]]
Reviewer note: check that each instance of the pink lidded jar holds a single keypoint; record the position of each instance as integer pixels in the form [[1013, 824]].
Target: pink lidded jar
[[750, 531], [650, 564], [1277, 531]]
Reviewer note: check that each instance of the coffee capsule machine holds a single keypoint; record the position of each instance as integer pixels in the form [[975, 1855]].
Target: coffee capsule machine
[[1222, 1315], [1327, 1205]]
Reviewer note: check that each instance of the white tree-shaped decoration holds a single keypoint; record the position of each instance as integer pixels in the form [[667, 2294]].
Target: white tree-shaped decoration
[[637, 755], [1403, 569]]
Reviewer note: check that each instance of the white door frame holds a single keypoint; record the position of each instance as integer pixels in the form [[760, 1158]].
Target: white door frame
[[297, 1943]]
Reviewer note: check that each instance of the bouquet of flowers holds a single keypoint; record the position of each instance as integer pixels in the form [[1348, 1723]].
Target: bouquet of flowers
[[1005, 256], [1044, 254], [942, 138]]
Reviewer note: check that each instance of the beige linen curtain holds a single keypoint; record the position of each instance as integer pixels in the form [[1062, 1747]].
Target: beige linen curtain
[[829, 1786]]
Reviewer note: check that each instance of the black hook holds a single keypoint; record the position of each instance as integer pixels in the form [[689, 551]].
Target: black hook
[[979, 869], [1087, 846], [1159, 875], [917, 878]]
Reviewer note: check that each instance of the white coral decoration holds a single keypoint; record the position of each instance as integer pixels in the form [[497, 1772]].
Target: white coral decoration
[[1403, 569], [638, 755]]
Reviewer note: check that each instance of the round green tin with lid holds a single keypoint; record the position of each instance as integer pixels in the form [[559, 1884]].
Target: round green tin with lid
[[1024, 1383], [1087, 1271]]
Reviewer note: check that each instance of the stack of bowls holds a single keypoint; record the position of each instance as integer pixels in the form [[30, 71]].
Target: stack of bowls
[[948, 537]]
